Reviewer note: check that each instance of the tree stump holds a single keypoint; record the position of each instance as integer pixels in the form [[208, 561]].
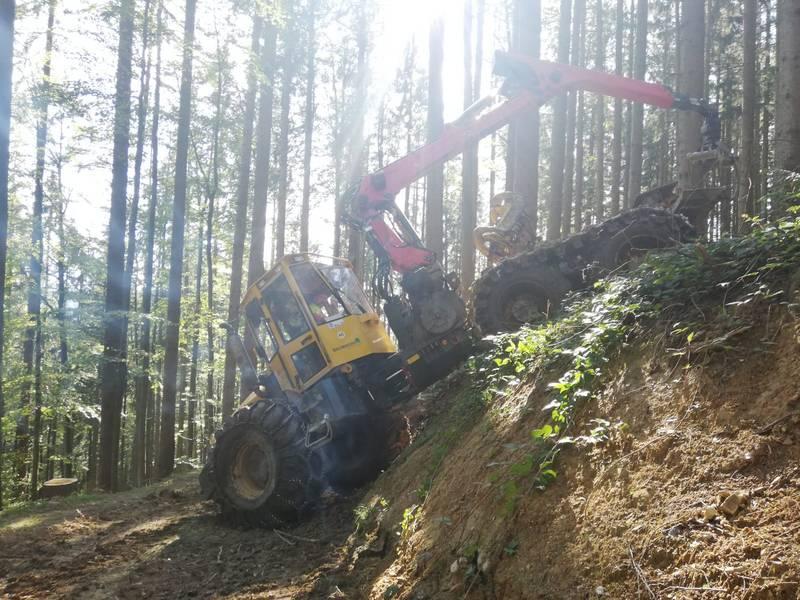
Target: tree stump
[[58, 487]]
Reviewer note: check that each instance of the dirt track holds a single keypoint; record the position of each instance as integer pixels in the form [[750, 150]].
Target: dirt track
[[164, 542]]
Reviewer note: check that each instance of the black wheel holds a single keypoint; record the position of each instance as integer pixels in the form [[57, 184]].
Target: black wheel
[[260, 471], [517, 292], [625, 243], [362, 448]]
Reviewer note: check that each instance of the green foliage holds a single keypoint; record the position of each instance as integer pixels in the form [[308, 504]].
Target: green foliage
[[511, 548], [365, 516], [408, 525], [424, 489]]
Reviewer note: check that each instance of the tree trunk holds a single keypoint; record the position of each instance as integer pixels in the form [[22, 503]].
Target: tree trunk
[[240, 226], [766, 101], [356, 151], [511, 135], [626, 149], [723, 93], [7, 14], [212, 190], [154, 410], [283, 143], [191, 429], [133, 219], [664, 164], [580, 183], [31, 351], [336, 147], [49, 467], [140, 403], [255, 266], [111, 387], [676, 116], [576, 58], [434, 217], [63, 350], [166, 457], [469, 165], [143, 426], [91, 459], [691, 81], [637, 113], [616, 160], [787, 96], [407, 113], [746, 165], [558, 140], [308, 125], [599, 119]]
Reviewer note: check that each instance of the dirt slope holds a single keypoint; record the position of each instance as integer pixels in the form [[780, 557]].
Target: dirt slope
[[641, 515]]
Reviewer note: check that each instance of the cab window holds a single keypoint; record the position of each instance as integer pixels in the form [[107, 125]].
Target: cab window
[[323, 304], [308, 362], [264, 342], [346, 284], [285, 310]]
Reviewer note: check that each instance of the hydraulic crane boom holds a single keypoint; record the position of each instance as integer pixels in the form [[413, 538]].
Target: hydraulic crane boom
[[429, 317], [529, 83]]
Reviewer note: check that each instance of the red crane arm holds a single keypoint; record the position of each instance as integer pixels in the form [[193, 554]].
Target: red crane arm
[[529, 83]]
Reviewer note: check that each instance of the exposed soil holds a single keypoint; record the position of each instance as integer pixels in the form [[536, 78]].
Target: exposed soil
[[163, 543], [697, 496]]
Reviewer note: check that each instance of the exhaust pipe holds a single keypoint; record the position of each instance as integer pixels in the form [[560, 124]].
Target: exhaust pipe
[[246, 368]]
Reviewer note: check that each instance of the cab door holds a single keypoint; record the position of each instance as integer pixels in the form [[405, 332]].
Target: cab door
[[299, 353]]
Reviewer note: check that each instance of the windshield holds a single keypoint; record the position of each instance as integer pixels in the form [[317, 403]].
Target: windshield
[[322, 302], [346, 284]]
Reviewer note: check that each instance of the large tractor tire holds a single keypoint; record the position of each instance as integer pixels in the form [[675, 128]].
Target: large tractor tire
[[259, 471], [624, 240], [363, 447], [528, 288], [519, 291]]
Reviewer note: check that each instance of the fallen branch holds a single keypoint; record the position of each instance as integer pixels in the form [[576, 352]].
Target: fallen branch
[[285, 539], [696, 589], [640, 574], [296, 537], [768, 427]]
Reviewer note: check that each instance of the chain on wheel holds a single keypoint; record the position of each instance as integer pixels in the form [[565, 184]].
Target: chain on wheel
[[528, 288]]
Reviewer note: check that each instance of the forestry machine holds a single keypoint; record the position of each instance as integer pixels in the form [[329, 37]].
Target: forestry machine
[[323, 374]]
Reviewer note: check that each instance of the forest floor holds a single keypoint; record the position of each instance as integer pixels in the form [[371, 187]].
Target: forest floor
[[162, 542]]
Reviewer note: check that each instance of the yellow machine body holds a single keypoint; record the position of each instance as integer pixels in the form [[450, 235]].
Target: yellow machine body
[[308, 317]]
